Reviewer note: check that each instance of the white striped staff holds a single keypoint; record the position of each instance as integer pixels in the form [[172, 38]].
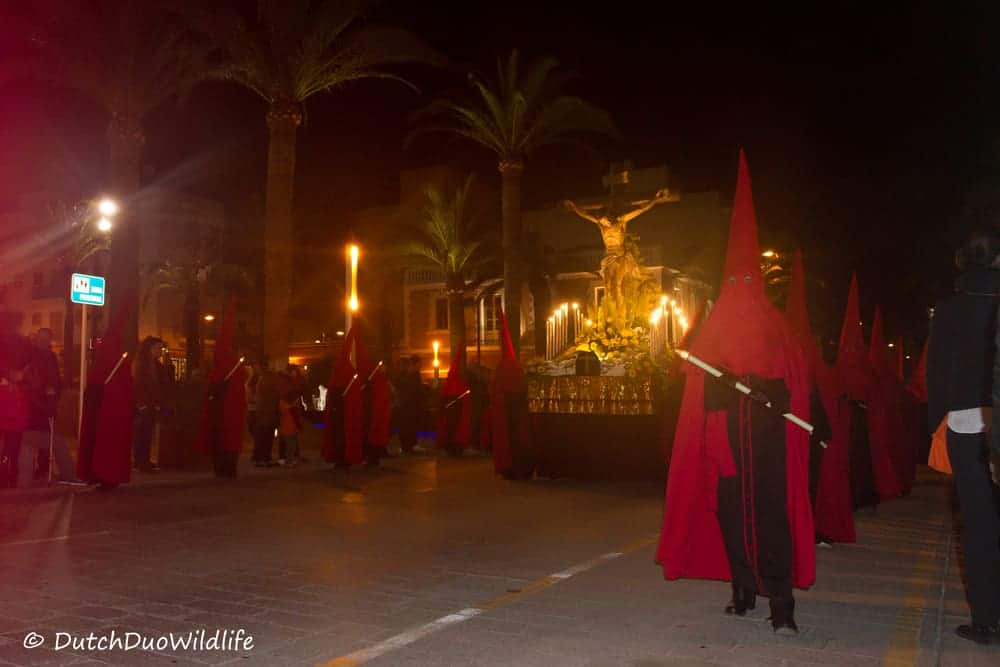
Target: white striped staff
[[743, 389], [458, 398], [233, 370], [115, 369], [372, 374], [349, 385]]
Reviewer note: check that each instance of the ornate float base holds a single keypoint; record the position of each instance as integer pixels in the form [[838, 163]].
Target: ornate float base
[[599, 428]]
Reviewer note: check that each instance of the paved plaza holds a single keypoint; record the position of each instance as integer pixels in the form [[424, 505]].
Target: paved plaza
[[435, 561]]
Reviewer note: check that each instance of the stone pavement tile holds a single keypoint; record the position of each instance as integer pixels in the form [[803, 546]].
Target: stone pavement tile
[[16, 654], [223, 607], [159, 609], [313, 649], [97, 613], [299, 622]]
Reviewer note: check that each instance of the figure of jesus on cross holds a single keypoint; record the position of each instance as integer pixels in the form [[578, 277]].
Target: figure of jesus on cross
[[618, 264]]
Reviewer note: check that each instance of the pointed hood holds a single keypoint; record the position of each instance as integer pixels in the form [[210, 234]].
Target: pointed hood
[[225, 355], [852, 342], [343, 369], [455, 384], [744, 332], [508, 376], [877, 350], [743, 250]]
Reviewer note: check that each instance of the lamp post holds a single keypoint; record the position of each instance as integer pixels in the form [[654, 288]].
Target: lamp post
[[437, 362], [351, 284], [107, 208]]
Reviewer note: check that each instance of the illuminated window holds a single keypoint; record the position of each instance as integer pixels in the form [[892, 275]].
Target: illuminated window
[[492, 307]]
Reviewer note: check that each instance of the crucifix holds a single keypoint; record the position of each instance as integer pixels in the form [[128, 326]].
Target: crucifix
[[612, 218]]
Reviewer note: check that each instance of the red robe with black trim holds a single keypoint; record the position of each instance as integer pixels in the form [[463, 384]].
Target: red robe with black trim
[[744, 334], [227, 382], [343, 437], [510, 428], [860, 384], [834, 510], [105, 453], [454, 425], [376, 399]]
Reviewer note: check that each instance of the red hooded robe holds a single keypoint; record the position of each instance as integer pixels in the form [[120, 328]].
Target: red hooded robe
[[105, 454], [227, 383], [455, 392], [512, 452], [375, 393], [902, 444], [833, 513], [743, 334], [860, 384], [344, 433]]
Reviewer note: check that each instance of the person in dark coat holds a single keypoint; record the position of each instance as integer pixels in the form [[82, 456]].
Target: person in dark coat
[[960, 378]]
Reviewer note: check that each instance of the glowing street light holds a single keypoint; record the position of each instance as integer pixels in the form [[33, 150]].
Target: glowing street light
[[104, 225], [107, 207], [352, 282], [437, 362], [769, 254], [209, 317]]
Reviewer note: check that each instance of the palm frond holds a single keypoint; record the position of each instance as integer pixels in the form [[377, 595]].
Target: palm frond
[[519, 112]]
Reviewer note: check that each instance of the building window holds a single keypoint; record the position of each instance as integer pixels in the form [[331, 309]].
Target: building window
[[36, 319], [440, 314], [492, 306]]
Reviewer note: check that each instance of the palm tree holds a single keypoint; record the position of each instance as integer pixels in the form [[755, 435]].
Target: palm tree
[[292, 51], [450, 239], [129, 57], [193, 275], [518, 113]]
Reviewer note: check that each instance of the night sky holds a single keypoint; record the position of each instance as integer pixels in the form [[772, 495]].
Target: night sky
[[870, 128]]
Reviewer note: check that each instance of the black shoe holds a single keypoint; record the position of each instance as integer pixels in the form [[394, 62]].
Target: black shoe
[[981, 634], [743, 600], [782, 617]]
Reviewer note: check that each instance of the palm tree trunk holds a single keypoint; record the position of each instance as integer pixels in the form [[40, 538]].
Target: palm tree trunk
[[456, 321], [541, 298], [283, 120], [510, 173], [125, 141]]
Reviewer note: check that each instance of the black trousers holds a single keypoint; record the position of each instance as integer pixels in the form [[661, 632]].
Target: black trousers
[[863, 491], [263, 440], [753, 508], [969, 455]]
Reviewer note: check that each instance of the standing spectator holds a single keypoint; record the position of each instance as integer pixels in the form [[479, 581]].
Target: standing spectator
[[149, 392], [290, 421], [43, 386], [13, 406], [266, 419], [960, 380]]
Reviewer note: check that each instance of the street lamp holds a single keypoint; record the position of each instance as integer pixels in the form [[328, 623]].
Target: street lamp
[[209, 317], [351, 283], [104, 225], [107, 207], [437, 362]]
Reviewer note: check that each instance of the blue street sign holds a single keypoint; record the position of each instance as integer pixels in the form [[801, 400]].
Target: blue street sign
[[88, 290]]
